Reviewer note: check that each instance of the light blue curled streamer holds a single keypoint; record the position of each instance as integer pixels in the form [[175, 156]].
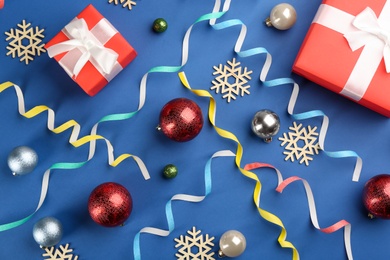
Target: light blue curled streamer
[[182, 197], [324, 126], [160, 69], [44, 189], [286, 81]]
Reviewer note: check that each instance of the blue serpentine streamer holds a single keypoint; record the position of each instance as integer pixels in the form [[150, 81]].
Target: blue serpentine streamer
[[182, 197], [294, 96]]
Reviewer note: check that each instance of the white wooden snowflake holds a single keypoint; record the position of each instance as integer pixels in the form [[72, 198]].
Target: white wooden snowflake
[[301, 143], [61, 253], [195, 246], [125, 3], [26, 42], [231, 80]]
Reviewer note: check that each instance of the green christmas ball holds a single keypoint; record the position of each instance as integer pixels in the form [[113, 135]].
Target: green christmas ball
[[160, 25], [170, 171]]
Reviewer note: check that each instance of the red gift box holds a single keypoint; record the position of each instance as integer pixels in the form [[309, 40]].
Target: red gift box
[[91, 50], [345, 51]]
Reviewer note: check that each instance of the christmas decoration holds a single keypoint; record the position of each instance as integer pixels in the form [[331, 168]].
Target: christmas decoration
[[74, 138], [160, 25], [25, 42], [181, 197], [313, 214], [231, 80], [47, 232], [125, 3], [181, 119], [203, 244], [265, 124], [283, 17], [293, 141], [110, 204], [331, 53], [232, 244], [265, 68], [257, 190], [145, 248], [89, 56], [376, 196], [22, 160], [170, 171], [60, 253]]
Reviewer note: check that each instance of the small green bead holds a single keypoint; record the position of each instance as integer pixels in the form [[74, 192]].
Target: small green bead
[[160, 25], [170, 171]]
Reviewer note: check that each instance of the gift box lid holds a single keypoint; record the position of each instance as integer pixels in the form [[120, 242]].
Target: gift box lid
[[326, 58]]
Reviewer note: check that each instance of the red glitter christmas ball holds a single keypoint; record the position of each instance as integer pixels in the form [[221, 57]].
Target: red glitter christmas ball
[[181, 119], [110, 204], [376, 196]]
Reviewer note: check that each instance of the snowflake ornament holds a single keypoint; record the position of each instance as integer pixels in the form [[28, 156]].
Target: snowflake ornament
[[26, 42], [231, 80], [125, 3], [300, 143], [202, 244], [61, 253]]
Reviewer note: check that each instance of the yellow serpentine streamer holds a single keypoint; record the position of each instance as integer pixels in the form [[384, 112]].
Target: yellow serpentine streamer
[[74, 137], [256, 194]]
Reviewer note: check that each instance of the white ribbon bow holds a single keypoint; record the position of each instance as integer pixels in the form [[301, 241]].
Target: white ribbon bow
[[370, 29], [91, 48]]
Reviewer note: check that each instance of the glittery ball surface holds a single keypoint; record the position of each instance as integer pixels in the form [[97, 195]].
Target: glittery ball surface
[[110, 204], [22, 160], [181, 119], [376, 196], [47, 231]]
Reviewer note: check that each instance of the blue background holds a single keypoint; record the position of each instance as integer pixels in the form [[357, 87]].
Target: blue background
[[230, 204]]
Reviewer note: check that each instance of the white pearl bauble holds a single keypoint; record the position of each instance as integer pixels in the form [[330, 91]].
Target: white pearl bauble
[[282, 17], [47, 232], [22, 160], [232, 244]]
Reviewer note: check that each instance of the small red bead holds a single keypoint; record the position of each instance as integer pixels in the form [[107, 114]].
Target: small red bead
[[181, 119]]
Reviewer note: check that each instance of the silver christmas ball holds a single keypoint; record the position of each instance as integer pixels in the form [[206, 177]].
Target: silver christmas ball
[[22, 160], [266, 124], [282, 17], [47, 232], [232, 244]]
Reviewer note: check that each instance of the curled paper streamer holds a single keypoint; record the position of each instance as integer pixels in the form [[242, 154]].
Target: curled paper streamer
[[310, 114], [284, 81], [313, 214], [164, 69], [74, 137], [74, 140], [256, 194], [182, 197], [312, 208], [211, 17], [258, 165], [44, 189], [142, 97], [91, 139]]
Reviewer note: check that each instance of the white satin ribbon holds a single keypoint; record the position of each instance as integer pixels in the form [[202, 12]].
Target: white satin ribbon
[[85, 45], [370, 29], [366, 30]]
